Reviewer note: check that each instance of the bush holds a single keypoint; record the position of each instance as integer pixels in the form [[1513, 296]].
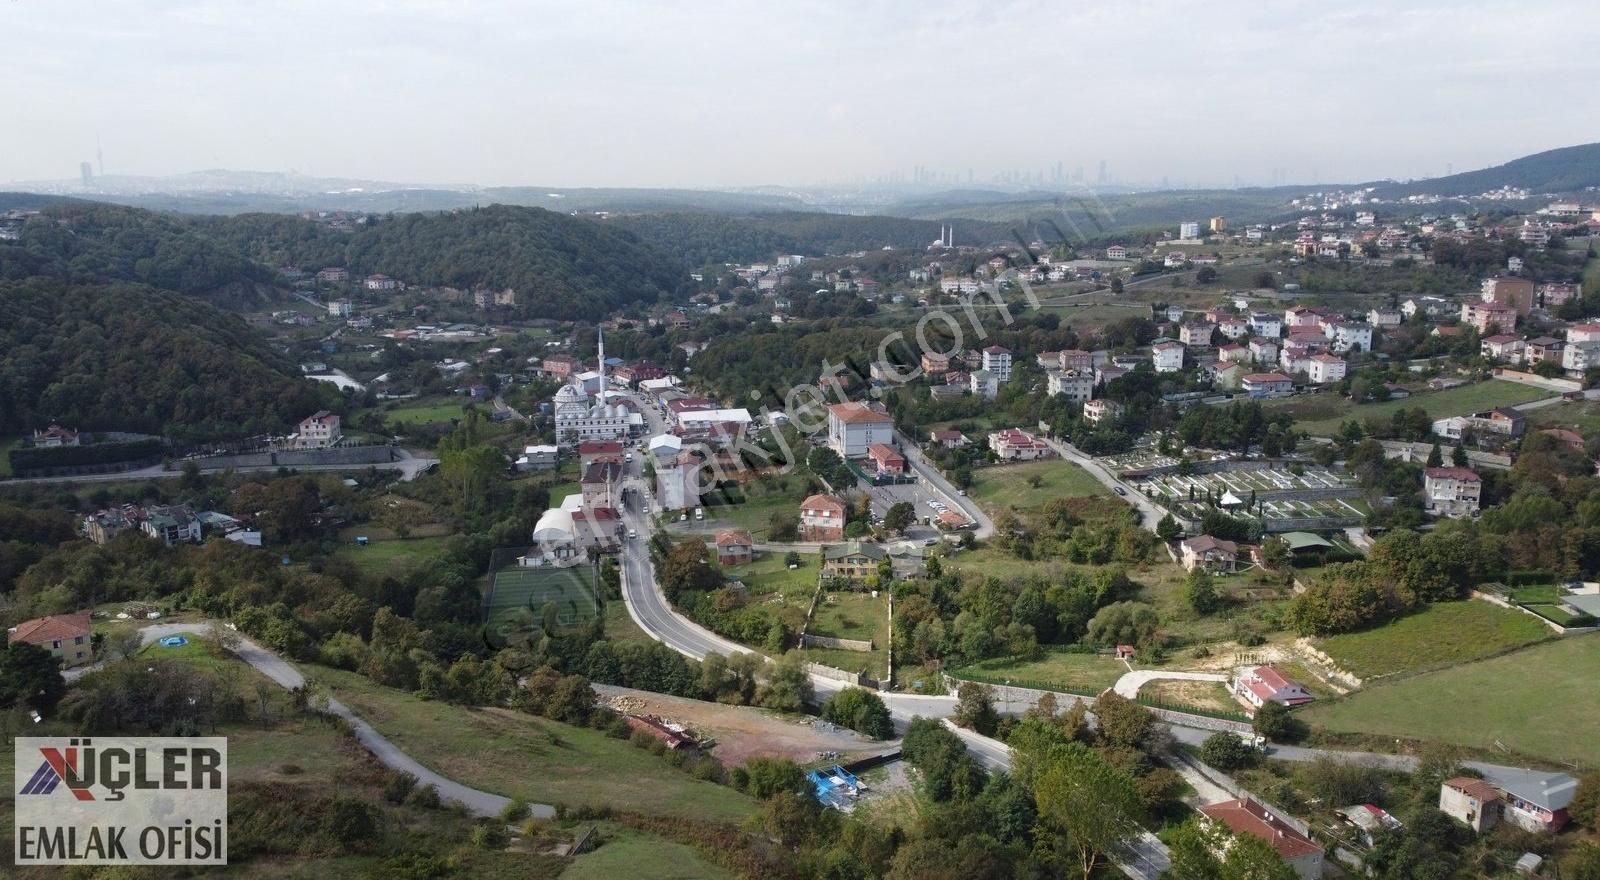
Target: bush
[[1275, 722], [515, 811], [424, 796], [860, 710], [1227, 752], [397, 787]]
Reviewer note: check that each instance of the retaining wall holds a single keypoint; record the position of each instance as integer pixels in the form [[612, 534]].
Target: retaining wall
[[341, 455], [855, 678], [811, 641]]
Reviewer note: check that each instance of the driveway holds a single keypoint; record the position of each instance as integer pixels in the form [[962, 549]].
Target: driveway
[[1128, 685]]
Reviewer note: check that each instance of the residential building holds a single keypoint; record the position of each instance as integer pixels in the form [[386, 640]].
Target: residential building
[[601, 485], [1212, 554], [1233, 353], [1348, 335], [1305, 316], [1175, 259], [1509, 290], [1325, 369], [1581, 356], [1260, 685], [822, 519], [886, 459], [1557, 294], [853, 426], [1385, 317], [1076, 359], [1076, 385], [103, 526], [538, 458], [1015, 444], [1167, 357], [1232, 327], [1116, 252], [854, 561], [997, 360], [1096, 411], [1189, 230], [1472, 802], [948, 438], [1542, 348], [1451, 491], [1487, 315], [380, 282], [598, 452], [1245, 816], [65, 636], [677, 473], [1227, 376], [934, 363], [1263, 351], [1266, 324], [319, 430], [1196, 333], [1503, 347], [333, 275], [1266, 384], [1219, 224], [559, 366], [984, 384], [1583, 333], [339, 308], [1537, 801], [55, 437], [1107, 375], [171, 525], [734, 547]]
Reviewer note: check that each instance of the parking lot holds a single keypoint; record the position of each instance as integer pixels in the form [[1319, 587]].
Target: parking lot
[[918, 495]]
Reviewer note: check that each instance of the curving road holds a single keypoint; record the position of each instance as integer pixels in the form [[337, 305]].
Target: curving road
[[481, 803], [1149, 513], [930, 476]]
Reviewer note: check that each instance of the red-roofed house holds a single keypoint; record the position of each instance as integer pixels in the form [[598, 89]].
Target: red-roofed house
[[64, 635], [734, 547], [822, 519], [1451, 491], [887, 459], [1015, 444], [1213, 554], [948, 438], [1472, 802], [854, 426], [593, 451], [1245, 816], [1502, 346], [1260, 685]]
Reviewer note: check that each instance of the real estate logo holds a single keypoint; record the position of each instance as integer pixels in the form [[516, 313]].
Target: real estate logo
[[121, 800]]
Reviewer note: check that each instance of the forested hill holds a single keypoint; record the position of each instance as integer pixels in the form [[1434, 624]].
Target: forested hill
[[85, 242], [560, 266], [705, 239], [1566, 170], [127, 357]]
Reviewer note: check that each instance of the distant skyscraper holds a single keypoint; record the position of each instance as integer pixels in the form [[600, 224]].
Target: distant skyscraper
[[87, 170]]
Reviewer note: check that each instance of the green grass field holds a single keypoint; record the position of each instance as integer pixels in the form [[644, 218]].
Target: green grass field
[[762, 498], [1444, 634], [541, 761], [1582, 416], [767, 575], [1321, 415], [624, 852], [571, 589], [1009, 485], [390, 558], [1538, 701], [853, 616], [1052, 670], [433, 411]]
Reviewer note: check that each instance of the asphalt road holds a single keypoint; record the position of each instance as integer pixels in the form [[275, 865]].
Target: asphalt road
[[1149, 513], [481, 803], [408, 465], [934, 483]]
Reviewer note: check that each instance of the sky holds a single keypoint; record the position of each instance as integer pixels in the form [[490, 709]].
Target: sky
[[738, 94]]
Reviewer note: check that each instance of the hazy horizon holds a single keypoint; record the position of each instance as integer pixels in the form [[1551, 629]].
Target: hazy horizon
[[619, 94]]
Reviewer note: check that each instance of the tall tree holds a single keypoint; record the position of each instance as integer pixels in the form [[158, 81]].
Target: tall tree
[[1090, 806]]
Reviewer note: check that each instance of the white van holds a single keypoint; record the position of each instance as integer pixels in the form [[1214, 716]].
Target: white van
[[699, 514]]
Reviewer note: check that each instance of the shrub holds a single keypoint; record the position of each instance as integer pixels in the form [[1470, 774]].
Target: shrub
[[1226, 751], [515, 811], [424, 796], [397, 787], [1275, 722]]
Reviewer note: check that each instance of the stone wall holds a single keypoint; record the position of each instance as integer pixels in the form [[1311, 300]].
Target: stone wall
[[811, 641], [855, 678]]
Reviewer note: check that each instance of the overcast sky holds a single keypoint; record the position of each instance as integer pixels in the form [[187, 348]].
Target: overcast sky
[[707, 93]]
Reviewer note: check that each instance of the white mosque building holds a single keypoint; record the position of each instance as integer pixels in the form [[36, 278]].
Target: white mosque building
[[583, 413]]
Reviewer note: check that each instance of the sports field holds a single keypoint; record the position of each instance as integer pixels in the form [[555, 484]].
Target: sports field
[[572, 590]]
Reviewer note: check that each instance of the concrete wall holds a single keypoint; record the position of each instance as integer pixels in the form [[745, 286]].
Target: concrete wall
[[811, 641], [1419, 452], [854, 678], [1559, 386], [342, 455]]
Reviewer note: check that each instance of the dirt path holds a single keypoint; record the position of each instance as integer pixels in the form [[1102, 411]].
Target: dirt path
[[745, 732]]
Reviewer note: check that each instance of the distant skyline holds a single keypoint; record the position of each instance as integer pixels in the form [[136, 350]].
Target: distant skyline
[[722, 94]]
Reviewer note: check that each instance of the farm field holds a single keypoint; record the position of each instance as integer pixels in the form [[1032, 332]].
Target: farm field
[[389, 558], [1010, 485], [1443, 634], [541, 761], [1533, 701], [1321, 415]]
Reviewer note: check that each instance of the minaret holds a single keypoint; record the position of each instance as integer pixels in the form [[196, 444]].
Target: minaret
[[601, 335]]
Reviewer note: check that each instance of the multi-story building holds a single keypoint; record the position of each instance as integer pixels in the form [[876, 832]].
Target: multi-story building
[[1245, 816], [1197, 333], [1097, 411], [319, 430], [1509, 290], [1167, 357], [1348, 335], [1484, 315], [984, 384], [1015, 444], [1076, 385], [1266, 324], [934, 363], [1503, 347], [822, 519], [171, 525], [1451, 491], [1263, 350], [1385, 317], [65, 636], [1266, 384], [997, 360], [1326, 368]]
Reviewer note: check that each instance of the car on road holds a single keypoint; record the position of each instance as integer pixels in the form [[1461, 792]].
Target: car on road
[[1120, 490], [633, 535]]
